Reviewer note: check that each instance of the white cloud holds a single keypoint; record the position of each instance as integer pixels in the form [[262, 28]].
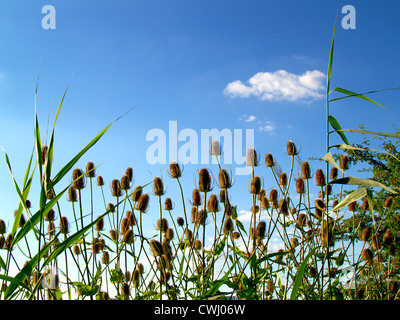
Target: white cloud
[[268, 126], [248, 118], [279, 85]]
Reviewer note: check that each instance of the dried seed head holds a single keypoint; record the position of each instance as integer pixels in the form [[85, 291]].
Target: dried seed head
[[124, 225], [205, 180], [50, 216], [125, 182], [131, 218], [99, 225], [213, 204], [269, 160], [293, 243], [222, 196], [388, 202], [319, 178], [44, 152], [77, 250], [291, 148], [113, 235], [169, 234], [261, 230], [265, 203], [318, 212], [116, 190], [128, 236], [353, 206], [319, 203], [162, 224], [137, 193], [180, 221], [142, 203], [196, 198], [334, 173], [125, 290], [375, 242], [306, 170], [155, 247], [367, 254], [283, 179], [388, 238], [100, 181], [201, 217], [255, 209], [174, 170], [8, 242], [252, 158], [300, 186], [365, 204], [111, 207], [129, 173], [255, 185], [72, 194], [283, 207], [235, 235], [228, 225], [273, 198], [158, 186], [51, 229], [302, 219], [366, 233], [64, 225], [2, 226], [344, 162], [215, 148], [78, 179], [197, 244], [168, 206], [224, 179], [105, 258], [90, 170]]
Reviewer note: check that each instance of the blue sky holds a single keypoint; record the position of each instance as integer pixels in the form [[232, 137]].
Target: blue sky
[[194, 62]]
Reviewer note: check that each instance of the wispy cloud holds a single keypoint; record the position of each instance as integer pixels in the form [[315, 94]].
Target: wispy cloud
[[268, 126], [248, 118], [279, 85]]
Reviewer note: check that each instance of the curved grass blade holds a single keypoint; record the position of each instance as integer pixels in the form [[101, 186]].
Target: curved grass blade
[[329, 158], [353, 196], [362, 183], [336, 126], [385, 134], [357, 95]]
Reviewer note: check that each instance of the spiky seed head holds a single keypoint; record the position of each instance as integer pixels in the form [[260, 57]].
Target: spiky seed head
[[155, 247], [306, 170], [128, 236], [8, 242], [137, 193], [222, 196], [105, 258], [283, 179], [129, 173], [294, 242], [320, 204], [76, 250], [142, 203], [196, 198], [283, 206], [353, 206], [2, 226], [228, 225], [224, 179], [252, 158], [215, 149], [197, 244], [366, 233], [319, 178], [125, 290], [99, 226], [90, 170], [44, 152], [116, 190], [302, 219], [367, 254], [388, 202], [344, 162], [375, 242], [158, 186], [255, 185], [50, 216], [175, 170], [169, 234], [189, 235], [78, 179], [269, 160], [273, 198], [365, 204], [162, 224], [291, 148], [300, 188], [235, 235], [205, 180], [213, 204], [168, 206], [125, 182], [113, 235], [124, 225], [180, 221], [255, 209], [201, 217], [100, 181], [265, 203], [64, 225], [334, 173], [261, 229]]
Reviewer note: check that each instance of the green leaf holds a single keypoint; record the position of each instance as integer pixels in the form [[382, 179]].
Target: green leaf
[[353, 94], [351, 197], [347, 147], [362, 183], [330, 61], [385, 134], [336, 126], [220, 247]]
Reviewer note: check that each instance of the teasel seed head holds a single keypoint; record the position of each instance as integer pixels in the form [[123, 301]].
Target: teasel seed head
[[201, 217], [353, 206], [344, 162], [128, 236], [125, 182], [64, 225], [252, 158], [291, 148], [197, 244], [50, 216], [375, 242], [319, 178], [196, 198], [174, 170], [78, 179], [265, 203], [365, 204], [72, 194], [113, 235], [137, 193], [158, 186], [189, 235], [301, 220], [300, 188], [215, 149], [100, 181], [273, 198], [293, 243], [235, 235], [168, 205], [143, 203], [90, 170], [180, 221], [105, 258], [193, 212], [111, 207], [255, 185], [135, 278], [388, 202], [312, 271], [116, 190], [205, 184], [99, 226], [222, 196], [2, 226], [2, 242], [162, 224], [96, 246], [283, 206], [228, 225], [366, 233], [261, 229], [360, 293], [269, 160], [306, 170], [334, 173], [125, 290], [367, 254], [320, 204], [224, 179], [213, 204], [156, 248], [283, 179], [318, 212], [76, 250], [169, 234]]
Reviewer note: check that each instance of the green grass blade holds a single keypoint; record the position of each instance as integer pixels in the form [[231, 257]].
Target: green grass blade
[[353, 94], [362, 183], [330, 61], [353, 196], [336, 126], [385, 134]]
